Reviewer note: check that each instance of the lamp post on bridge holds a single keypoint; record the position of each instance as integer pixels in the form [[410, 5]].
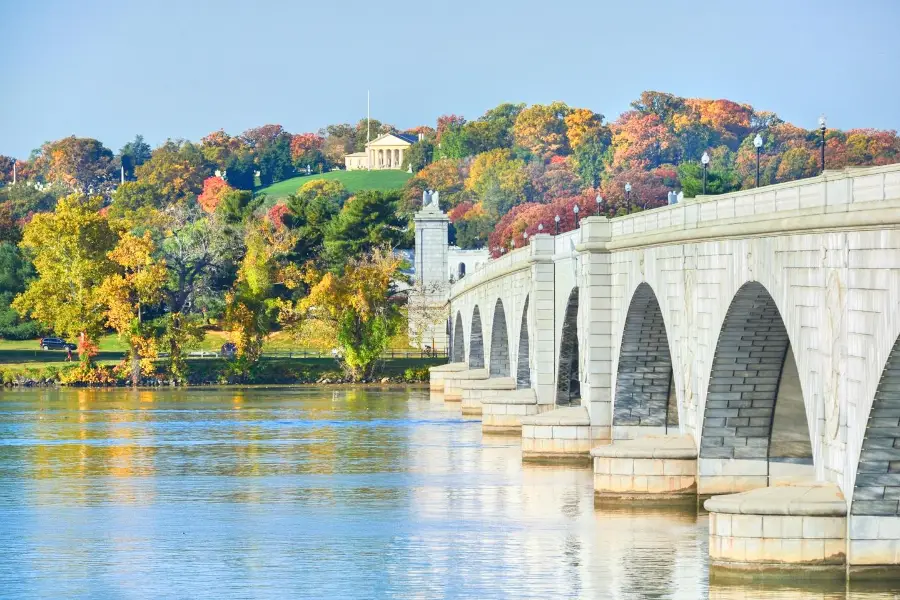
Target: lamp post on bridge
[[757, 142], [628, 197], [599, 203], [575, 210], [705, 160], [822, 129], [556, 220], [540, 228]]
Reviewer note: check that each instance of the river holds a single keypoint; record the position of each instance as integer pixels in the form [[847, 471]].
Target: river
[[318, 493]]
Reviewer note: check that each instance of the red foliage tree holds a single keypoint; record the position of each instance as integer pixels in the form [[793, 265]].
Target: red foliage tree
[[302, 143], [214, 189]]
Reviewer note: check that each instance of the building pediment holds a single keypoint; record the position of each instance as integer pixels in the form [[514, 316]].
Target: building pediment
[[392, 140]]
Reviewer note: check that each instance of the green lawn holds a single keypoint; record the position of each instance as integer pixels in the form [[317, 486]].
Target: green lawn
[[352, 180]]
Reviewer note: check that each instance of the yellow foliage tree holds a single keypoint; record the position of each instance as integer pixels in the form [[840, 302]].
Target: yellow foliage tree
[[355, 306], [582, 124], [541, 129], [139, 281]]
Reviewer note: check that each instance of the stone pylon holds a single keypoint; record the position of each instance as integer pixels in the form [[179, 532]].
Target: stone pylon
[[429, 296]]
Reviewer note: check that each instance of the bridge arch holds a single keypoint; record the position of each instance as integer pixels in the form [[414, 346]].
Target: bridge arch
[[568, 380], [458, 350], [644, 394], [499, 364], [877, 487], [476, 342], [755, 409], [523, 358]]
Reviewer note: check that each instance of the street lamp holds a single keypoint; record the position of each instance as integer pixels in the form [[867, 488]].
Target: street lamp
[[599, 203], [822, 129], [705, 160], [757, 142], [540, 227], [556, 219], [628, 197], [525, 236], [575, 210]]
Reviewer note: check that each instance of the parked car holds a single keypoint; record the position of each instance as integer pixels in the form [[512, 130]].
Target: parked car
[[229, 350], [52, 343]]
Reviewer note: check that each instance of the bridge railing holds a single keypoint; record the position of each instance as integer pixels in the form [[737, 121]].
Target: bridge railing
[[563, 242], [834, 191], [487, 270]]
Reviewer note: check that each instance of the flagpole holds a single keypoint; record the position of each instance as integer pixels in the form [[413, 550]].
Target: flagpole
[[368, 128]]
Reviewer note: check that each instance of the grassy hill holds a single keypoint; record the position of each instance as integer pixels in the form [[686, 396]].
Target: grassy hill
[[352, 180]]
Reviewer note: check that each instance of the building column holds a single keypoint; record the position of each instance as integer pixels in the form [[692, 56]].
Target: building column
[[400, 164]]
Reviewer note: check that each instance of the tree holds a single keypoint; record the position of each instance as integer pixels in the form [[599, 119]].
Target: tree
[[251, 309], [197, 251], [582, 126], [418, 155], [81, 164], [137, 282], [70, 251], [309, 212], [797, 163], [237, 206], [214, 189], [590, 161], [541, 129], [240, 172], [473, 227], [367, 221], [356, 305], [498, 180], [302, 144], [274, 160], [219, 148], [15, 273], [133, 196], [176, 171], [494, 129], [134, 154]]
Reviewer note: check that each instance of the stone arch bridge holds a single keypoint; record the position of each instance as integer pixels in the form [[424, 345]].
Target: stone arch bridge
[[722, 345]]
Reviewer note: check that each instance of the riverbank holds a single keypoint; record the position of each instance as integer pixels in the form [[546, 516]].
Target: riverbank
[[218, 371]]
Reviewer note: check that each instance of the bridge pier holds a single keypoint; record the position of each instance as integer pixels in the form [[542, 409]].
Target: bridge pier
[[437, 374], [503, 413], [781, 528], [453, 382], [475, 391], [559, 434], [646, 468]]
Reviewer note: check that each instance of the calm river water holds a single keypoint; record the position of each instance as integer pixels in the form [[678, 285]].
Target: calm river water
[[316, 493]]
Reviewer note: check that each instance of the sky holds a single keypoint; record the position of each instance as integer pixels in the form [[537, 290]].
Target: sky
[[110, 69]]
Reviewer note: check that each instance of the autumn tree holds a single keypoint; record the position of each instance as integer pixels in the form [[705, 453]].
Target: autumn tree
[[355, 304], [214, 189], [70, 250], [81, 164], [176, 171], [498, 180], [541, 129], [137, 282], [251, 305]]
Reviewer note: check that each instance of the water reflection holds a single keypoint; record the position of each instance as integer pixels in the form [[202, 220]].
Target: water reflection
[[343, 493]]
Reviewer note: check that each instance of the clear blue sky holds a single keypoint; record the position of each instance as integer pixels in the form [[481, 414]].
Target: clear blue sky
[[110, 69]]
